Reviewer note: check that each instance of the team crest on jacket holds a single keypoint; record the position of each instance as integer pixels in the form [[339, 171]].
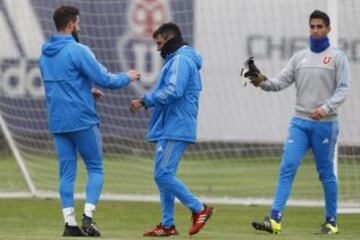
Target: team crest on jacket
[[326, 60]]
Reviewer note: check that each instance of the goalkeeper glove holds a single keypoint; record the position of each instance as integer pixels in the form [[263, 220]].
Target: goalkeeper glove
[[251, 72]]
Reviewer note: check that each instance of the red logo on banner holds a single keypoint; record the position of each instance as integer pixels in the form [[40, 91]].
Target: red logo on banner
[[326, 60], [147, 15], [136, 49]]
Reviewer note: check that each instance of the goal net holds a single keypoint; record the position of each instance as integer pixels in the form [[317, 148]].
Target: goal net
[[240, 130]]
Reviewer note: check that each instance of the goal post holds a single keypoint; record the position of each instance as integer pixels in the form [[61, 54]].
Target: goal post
[[19, 159], [240, 129]]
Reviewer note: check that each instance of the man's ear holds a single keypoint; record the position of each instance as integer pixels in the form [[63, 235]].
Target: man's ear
[[71, 25]]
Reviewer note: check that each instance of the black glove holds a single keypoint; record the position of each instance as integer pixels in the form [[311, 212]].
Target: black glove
[[252, 72]]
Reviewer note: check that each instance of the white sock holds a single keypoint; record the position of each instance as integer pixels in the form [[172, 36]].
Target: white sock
[[89, 209], [69, 216]]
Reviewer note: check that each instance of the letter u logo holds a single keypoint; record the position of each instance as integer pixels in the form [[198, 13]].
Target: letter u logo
[[326, 60]]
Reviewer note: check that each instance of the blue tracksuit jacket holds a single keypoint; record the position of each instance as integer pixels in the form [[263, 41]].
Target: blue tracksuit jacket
[[175, 99], [69, 70]]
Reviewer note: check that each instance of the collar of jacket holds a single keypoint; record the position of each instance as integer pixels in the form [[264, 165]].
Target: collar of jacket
[[171, 46]]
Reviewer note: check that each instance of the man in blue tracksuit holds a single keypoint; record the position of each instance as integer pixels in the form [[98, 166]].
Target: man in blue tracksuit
[[321, 77], [69, 70], [174, 104]]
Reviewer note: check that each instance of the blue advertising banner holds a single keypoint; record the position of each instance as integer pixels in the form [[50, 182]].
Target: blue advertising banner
[[118, 31]]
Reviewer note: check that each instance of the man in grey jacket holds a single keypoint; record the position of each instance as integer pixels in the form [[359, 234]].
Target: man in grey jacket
[[321, 77]]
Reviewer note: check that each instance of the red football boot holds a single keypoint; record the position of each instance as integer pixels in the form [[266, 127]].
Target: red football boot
[[161, 231], [199, 219]]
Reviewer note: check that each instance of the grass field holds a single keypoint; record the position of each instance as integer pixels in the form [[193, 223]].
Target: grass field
[[41, 219], [221, 177]]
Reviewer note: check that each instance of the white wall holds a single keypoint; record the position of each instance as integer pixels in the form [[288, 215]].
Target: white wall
[[230, 111]]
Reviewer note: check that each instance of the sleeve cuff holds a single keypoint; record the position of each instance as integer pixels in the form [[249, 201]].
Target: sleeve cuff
[[148, 101], [128, 79], [326, 108]]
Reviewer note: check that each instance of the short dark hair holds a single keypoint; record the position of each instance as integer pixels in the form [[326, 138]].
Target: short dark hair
[[167, 29], [320, 15], [63, 15]]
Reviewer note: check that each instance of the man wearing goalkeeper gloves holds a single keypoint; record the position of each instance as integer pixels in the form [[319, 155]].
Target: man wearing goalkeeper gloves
[[174, 104], [321, 77], [69, 70]]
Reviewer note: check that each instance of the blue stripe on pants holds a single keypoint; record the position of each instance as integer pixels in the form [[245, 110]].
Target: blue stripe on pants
[[321, 138], [167, 158], [88, 143]]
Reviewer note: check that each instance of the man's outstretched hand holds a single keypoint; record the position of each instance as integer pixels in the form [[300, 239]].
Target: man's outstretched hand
[[136, 105], [134, 75]]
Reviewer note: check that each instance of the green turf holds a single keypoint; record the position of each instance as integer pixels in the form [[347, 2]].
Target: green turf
[[41, 219], [11, 179], [223, 177]]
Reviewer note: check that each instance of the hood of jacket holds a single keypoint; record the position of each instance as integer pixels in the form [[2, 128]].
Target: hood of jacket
[[192, 54], [55, 44]]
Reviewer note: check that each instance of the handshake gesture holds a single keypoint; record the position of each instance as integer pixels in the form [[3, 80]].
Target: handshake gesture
[[251, 72]]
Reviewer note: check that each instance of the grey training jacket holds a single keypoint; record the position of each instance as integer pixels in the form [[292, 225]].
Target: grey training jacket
[[321, 79]]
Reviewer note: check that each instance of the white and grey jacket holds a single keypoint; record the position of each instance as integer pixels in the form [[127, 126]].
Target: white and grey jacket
[[321, 79]]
